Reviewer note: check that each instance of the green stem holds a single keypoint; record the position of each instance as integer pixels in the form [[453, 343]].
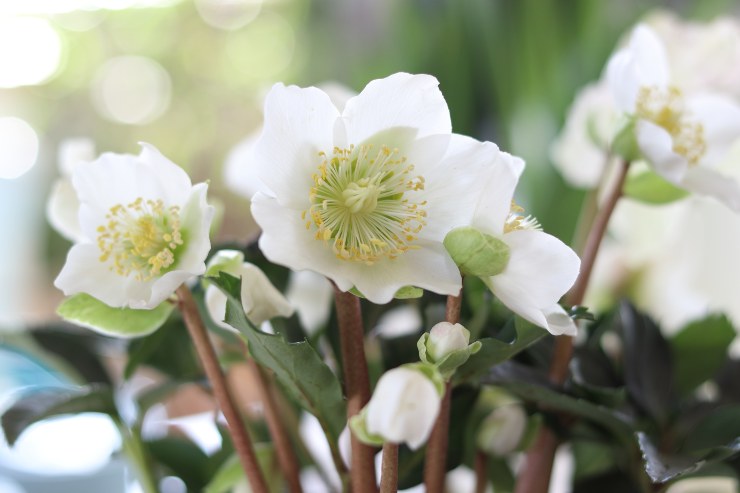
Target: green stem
[[133, 447]]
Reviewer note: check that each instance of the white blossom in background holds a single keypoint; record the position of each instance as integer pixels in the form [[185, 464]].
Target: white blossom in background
[[403, 407], [144, 229], [312, 296], [366, 196], [62, 208], [683, 135], [260, 299], [502, 431], [705, 485], [540, 268], [399, 321], [445, 338]]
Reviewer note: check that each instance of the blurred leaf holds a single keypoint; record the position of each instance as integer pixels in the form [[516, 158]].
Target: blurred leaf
[[651, 188], [86, 311], [297, 366], [648, 363], [227, 477], [719, 427], [76, 349], [48, 402], [178, 361], [700, 350], [184, 459], [500, 475], [592, 458], [495, 351]]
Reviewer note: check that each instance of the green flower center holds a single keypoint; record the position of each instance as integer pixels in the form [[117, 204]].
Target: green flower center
[[665, 108], [363, 203], [140, 238]]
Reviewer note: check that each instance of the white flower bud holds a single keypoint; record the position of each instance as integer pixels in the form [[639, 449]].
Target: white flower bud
[[403, 407], [444, 338], [502, 431]]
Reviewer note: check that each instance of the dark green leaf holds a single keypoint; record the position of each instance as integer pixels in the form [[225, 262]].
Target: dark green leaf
[[718, 428], [76, 349], [45, 403], [298, 366], [700, 350]]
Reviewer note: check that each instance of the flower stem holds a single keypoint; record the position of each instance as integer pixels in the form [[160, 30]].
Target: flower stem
[[209, 360], [389, 468], [357, 385], [134, 449], [481, 474], [435, 466], [283, 447], [535, 475]]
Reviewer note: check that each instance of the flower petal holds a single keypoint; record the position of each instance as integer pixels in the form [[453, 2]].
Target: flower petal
[[174, 181], [400, 100], [541, 269], [705, 181], [656, 145], [62, 210], [494, 205], [720, 118], [558, 321], [240, 173], [299, 123]]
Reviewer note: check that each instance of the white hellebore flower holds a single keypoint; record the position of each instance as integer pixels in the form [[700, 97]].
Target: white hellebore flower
[[260, 299], [404, 407], [366, 196], [502, 431], [144, 230], [540, 268], [682, 135], [444, 338]]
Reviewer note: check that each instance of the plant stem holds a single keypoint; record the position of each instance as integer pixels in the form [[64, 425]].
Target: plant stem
[[481, 474], [389, 468], [435, 466], [134, 449], [535, 475], [212, 368], [283, 447], [357, 385]]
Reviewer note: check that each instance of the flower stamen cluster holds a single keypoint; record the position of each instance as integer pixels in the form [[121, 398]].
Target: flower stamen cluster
[[362, 202], [666, 108], [141, 237], [517, 221]]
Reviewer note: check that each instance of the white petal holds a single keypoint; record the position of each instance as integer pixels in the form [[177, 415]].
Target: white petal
[[72, 151], [558, 321], [541, 269], [215, 301], [650, 57], [494, 204], [400, 100], [338, 93], [311, 294], [174, 180], [299, 123], [240, 172], [706, 181], [261, 300], [196, 217], [62, 210], [656, 145], [623, 81], [720, 117]]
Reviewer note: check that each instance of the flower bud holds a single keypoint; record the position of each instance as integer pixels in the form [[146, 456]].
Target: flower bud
[[503, 430], [444, 338]]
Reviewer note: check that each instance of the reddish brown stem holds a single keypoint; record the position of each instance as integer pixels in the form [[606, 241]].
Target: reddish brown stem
[[283, 447], [357, 385], [389, 469], [435, 466], [209, 360], [481, 473], [535, 475]]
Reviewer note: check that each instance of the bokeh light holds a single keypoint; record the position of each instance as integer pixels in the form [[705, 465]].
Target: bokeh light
[[19, 147], [132, 90], [30, 51], [228, 14]]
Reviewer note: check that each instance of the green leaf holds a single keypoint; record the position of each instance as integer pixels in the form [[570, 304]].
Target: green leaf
[[651, 188], [476, 253], [716, 429], [358, 425], [700, 350], [298, 366], [403, 293], [494, 351], [86, 311], [55, 401], [231, 472], [625, 142]]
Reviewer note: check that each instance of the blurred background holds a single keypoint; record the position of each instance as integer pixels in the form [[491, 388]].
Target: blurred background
[[189, 76]]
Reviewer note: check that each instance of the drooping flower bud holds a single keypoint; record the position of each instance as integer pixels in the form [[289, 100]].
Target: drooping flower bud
[[444, 338], [503, 430]]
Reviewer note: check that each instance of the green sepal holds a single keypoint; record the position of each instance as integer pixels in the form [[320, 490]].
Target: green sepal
[[451, 362], [86, 311], [625, 142], [358, 425], [651, 188], [404, 293], [476, 253]]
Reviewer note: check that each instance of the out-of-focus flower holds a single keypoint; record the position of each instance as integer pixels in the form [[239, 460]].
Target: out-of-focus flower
[[403, 407], [400, 321], [63, 206], [444, 338], [260, 299], [502, 431], [144, 230], [366, 196], [311, 295], [683, 135], [540, 268], [704, 485]]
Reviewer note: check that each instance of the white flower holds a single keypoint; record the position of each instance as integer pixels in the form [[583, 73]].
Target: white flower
[[404, 407], [444, 338], [502, 431], [681, 134], [144, 230], [540, 268], [311, 295], [366, 196], [260, 299], [62, 208], [705, 485], [400, 321]]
